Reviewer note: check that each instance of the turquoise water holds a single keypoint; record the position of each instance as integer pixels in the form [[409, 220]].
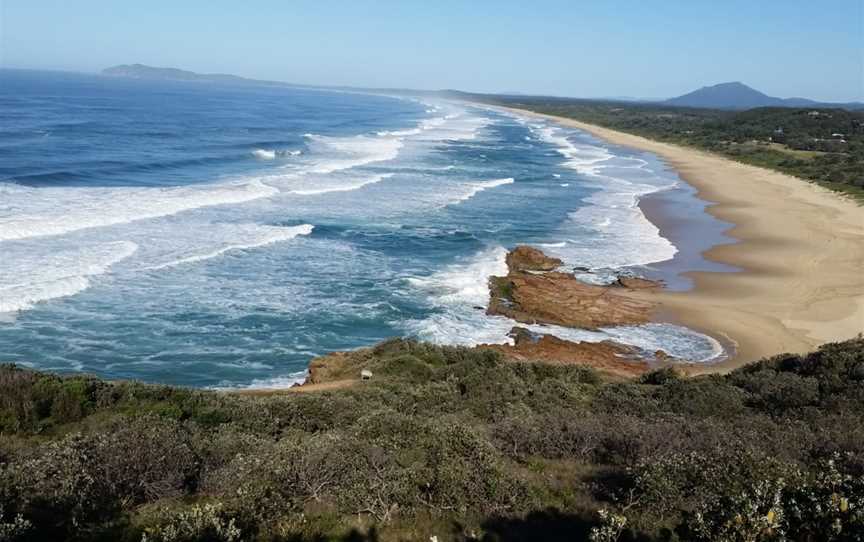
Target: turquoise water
[[213, 236]]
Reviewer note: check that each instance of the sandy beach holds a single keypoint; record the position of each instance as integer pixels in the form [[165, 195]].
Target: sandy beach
[[800, 249]]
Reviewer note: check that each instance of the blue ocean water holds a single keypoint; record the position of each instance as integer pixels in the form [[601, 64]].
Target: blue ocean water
[[223, 236]]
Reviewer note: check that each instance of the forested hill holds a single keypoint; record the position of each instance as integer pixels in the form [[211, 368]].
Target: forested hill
[[821, 145]]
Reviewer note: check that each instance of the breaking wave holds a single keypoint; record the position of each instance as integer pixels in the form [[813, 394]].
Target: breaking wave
[[32, 278], [41, 212], [472, 189], [266, 235]]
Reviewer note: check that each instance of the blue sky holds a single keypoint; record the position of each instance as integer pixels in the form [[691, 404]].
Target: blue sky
[[575, 48]]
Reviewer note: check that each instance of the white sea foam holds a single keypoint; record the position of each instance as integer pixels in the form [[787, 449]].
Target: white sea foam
[[585, 159], [472, 189], [398, 133], [457, 125], [619, 234], [37, 212], [31, 277], [341, 187], [423, 125], [261, 236], [435, 122], [351, 152], [264, 154], [460, 293], [271, 154], [465, 283], [274, 383]]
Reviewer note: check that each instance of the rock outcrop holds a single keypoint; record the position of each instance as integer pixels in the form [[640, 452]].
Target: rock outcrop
[[533, 293], [333, 366], [607, 356], [525, 258]]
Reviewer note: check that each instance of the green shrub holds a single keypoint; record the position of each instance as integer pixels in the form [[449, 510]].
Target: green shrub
[[658, 377], [13, 527], [199, 523], [443, 436], [406, 366]]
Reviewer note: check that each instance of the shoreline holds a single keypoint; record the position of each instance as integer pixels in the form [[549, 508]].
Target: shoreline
[[680, 217], [799, 248]]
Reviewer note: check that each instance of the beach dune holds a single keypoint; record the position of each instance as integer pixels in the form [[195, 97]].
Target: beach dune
[[800, 248]]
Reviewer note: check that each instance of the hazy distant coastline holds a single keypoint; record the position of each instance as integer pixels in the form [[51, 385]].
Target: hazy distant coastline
[[732, 95]]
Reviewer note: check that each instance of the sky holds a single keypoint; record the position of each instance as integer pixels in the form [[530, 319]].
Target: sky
[[611, 48]]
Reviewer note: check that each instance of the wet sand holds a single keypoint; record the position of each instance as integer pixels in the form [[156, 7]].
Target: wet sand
[[681, 218]]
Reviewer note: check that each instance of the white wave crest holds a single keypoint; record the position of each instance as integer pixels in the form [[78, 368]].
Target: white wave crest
[[37, 212], [35, 277], [341, 188], [585, 159], [351, 152], [460, 293], [465, 283], [274, 383], [271, 154], [263, 236], [264, 154], [620, 235], [472, 189]]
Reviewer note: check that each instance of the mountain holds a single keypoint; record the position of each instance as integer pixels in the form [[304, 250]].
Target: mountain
[[151, 73], [737, 95], [140, 71]]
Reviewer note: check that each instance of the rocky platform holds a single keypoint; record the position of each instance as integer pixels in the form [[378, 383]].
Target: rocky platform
[[533, 292]]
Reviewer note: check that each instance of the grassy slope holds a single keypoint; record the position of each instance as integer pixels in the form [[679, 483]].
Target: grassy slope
[[443, 441]]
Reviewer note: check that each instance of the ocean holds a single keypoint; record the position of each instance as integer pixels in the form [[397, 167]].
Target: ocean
[[216, 236]]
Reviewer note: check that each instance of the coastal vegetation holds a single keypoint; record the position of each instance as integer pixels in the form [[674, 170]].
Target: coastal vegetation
[[450, 442], [822, 145]]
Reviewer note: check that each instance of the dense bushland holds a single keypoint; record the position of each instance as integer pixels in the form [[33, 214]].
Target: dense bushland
[[443, 441]]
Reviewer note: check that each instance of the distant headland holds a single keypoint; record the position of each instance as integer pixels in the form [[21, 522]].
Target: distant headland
[[141, 71]]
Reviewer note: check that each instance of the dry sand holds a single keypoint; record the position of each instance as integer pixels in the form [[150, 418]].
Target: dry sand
[[801, 248]]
